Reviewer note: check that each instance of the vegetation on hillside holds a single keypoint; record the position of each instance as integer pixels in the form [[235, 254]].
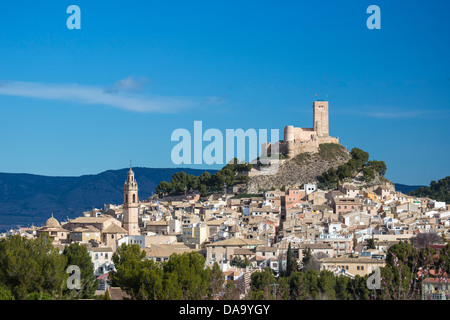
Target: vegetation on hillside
[[205, 183], [331, 151], [439, 191], [359, 162]]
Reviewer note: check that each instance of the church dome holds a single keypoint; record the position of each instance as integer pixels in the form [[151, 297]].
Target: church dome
[[52, 223]]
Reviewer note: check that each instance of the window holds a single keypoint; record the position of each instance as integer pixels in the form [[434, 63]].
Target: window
[[213, 256], [134, 198]]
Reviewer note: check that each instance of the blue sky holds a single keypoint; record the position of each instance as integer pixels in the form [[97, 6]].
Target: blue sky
[[76, 102]]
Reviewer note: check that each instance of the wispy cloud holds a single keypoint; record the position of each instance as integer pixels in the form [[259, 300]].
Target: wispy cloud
[[128, 84], [123, 95]]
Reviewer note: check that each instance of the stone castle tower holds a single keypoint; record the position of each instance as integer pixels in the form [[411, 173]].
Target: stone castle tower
[[320, 118], [131, 205], [301, 140]]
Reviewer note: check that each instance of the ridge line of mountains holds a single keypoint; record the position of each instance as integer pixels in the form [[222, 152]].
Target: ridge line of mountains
[[30, 199]]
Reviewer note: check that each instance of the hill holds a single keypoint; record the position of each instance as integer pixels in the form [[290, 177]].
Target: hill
[[439, 191], [27, 199], [406, 188], [304, 168]]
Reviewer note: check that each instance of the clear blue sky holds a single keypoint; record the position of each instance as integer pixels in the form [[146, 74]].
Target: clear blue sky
[[76, 102]]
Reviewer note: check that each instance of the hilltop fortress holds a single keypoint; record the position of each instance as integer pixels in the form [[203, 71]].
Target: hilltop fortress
[[300, 140]]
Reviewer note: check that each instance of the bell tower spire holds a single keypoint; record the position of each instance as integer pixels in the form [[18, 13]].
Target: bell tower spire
[[131, 204]]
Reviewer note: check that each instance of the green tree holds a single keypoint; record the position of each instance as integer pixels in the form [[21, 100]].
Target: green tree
[[311, 281], [371, 243], [378, 166], [190, 275], [5, 293], [399, 279], [358, 288], [368, 174], [32, 266], [291, 262], [231, 292], [263, 285], [359, 155], [327, 283], [238, 262], [307, 256], [129, 264], [78, 255], [344, 171]]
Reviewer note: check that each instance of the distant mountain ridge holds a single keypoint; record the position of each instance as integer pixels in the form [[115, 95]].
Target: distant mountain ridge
[[406, 188], [27, 199]]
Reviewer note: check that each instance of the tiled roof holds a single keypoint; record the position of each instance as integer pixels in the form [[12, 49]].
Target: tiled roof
[[114, 228]]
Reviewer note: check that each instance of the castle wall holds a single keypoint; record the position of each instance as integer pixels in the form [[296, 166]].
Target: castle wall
[[303, 133]]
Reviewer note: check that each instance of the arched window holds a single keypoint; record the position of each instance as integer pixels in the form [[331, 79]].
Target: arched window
[[134, 198]]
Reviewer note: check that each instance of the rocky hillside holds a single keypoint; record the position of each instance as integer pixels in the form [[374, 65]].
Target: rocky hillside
[[304, 168]]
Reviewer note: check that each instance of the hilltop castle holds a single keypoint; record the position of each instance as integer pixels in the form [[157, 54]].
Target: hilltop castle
[[300, 140]]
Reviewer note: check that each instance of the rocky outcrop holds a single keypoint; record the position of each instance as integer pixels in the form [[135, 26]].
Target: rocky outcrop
[[304, 168]]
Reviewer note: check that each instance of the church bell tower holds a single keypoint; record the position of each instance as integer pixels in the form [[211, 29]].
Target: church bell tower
[[131, 205]]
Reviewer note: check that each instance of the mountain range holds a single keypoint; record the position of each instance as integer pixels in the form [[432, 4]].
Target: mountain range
[[27, 199]]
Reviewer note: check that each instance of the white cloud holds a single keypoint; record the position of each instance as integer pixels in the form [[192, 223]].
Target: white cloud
[[128, 84], [119, 98]]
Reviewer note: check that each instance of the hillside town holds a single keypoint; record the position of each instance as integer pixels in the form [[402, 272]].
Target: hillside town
[[244, 234]]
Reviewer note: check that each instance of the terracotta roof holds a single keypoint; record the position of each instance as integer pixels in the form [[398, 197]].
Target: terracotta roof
[[52, 223], [243, 251], [100, 219], [157, 223], [236, 242], [436, 280], [114, 228], [86, 229], [352, 260]]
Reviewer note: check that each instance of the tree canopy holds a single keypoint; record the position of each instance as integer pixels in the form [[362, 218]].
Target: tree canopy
[[205, 183], [31, 268], [359, 162], [182, 277], [439, 191]]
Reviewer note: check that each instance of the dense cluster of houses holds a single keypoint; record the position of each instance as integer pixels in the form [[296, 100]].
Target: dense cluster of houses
[[244, 234]]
